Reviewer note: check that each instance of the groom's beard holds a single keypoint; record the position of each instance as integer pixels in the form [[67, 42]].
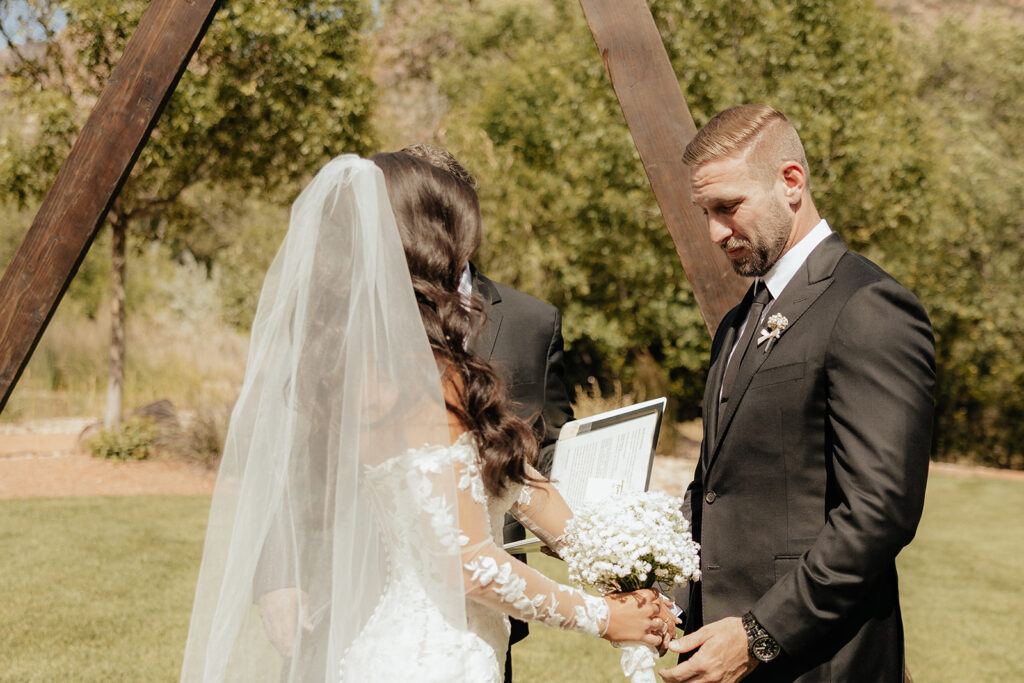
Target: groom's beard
[[765, 247]]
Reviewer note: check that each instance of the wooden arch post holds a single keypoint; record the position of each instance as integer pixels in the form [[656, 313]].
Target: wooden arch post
[[153, 62], [661, 126], [88, 182]]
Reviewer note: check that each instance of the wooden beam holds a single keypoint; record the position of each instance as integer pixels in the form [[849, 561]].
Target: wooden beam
[[661, 126], [87, 184]]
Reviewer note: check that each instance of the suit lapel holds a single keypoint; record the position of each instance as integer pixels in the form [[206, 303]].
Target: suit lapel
[[813, 278], [716, 373], [483, 344]]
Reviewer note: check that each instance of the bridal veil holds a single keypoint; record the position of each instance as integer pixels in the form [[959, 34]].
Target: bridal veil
[[340, 378]]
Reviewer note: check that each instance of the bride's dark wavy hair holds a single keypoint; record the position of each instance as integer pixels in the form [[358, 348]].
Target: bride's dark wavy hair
[[438, 219]]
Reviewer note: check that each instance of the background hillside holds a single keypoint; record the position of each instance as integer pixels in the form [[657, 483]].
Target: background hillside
[[910, 112]]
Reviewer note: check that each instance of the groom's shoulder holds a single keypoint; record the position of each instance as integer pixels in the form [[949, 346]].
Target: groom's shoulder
[[867, 292], [857, 272]]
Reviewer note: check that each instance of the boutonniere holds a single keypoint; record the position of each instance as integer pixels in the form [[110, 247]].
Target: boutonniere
[[777, 324]]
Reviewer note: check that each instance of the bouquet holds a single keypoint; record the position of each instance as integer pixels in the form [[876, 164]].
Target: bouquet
[[628, 542]]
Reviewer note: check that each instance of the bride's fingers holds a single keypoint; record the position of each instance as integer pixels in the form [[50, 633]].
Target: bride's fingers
[[651, 639], [663, 614]]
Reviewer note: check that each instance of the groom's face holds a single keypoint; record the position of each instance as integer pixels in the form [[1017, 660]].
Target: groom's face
[[745, 217]]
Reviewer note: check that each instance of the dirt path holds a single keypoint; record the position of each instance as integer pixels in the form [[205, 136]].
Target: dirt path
[[43, 459]]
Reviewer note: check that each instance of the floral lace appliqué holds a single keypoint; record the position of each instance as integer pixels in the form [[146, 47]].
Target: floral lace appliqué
[[471, 478], [525, 495], [591, 617]]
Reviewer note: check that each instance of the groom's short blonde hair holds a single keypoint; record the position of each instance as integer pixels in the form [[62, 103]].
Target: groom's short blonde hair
[[760, 134]]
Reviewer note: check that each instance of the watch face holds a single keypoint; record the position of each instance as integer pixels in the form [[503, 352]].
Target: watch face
[[765, 648]]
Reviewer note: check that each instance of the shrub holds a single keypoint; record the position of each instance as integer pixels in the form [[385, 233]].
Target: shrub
[[134, 439], [203, 435]]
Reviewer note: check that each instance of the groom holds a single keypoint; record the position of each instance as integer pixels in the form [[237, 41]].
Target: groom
[[522, 338], [817, 428]]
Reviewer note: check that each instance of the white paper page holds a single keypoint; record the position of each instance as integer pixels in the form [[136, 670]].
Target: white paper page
[[606, 461]]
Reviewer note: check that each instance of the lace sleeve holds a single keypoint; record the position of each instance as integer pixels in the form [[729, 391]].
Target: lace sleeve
[[496, 579], [541, 509]]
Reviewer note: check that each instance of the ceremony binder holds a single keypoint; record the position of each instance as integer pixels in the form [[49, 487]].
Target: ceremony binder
[[602, 455]]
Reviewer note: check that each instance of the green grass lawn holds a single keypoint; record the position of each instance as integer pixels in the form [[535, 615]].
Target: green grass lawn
[[962, 583], [99, 589]]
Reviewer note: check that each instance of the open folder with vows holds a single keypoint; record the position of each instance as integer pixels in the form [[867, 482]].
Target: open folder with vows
[[601, 455]]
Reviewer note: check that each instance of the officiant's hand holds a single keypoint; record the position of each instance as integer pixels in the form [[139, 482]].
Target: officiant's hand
[[280, 611], [549, 552], [721, 654], [639, 616]]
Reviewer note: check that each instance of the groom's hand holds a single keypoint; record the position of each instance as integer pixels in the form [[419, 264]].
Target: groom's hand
[[721, 654]]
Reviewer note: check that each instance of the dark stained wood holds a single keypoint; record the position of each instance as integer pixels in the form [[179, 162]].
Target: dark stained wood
[[661, 126], [87, 184]]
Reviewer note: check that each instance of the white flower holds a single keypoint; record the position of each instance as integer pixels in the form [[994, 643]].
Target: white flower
[[629, 541], [777, 324]]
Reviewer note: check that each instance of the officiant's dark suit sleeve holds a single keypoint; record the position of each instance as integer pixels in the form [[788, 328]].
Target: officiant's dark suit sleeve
[[814, 479]]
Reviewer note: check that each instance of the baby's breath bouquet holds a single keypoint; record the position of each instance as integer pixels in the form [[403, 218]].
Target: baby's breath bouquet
[[627, 542]]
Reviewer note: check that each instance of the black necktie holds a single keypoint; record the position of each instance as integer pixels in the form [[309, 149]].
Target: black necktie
[[761, 299]]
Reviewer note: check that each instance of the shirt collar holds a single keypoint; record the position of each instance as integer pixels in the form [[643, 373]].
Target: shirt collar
[[786, 267], [466, 282]]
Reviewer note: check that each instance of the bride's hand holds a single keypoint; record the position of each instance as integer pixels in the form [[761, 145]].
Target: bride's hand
[[640, 616], [280, 611]]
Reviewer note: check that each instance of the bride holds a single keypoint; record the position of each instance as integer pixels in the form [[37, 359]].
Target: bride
[[354, 530]]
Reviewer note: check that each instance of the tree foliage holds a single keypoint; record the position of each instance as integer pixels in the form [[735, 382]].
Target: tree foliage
[[913, 135], [970, 76], [891, 131], [566, 194], [274, 90], [568, 211]]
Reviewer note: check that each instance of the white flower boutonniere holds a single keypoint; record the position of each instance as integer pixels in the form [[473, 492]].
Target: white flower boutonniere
[[777, 324]]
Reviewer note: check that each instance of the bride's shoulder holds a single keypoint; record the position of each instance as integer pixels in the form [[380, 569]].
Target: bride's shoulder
[[462, 448], [430, 459]]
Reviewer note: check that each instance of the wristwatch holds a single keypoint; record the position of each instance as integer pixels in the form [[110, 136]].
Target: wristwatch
[[760, 644]]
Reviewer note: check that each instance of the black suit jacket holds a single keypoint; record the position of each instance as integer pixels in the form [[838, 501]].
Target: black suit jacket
[[812, 475], [523, 340]]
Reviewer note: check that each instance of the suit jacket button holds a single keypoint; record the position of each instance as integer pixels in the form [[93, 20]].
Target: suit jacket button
[[709, 497]]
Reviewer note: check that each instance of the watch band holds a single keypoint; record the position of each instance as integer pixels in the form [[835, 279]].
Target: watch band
[[760, 645]]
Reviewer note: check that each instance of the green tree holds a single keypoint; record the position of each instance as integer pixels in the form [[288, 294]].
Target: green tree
[[567, 208], [568, 213], [275, 88], [970, 75]]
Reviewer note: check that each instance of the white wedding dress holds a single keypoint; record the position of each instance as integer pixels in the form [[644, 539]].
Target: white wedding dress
[[408, 636], [385, 553]]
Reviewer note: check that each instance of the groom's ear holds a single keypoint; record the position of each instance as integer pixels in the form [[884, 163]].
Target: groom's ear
[[791, 182]]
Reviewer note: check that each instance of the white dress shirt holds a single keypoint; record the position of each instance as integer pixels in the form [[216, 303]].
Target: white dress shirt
[[466, 283], [784, 269]]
